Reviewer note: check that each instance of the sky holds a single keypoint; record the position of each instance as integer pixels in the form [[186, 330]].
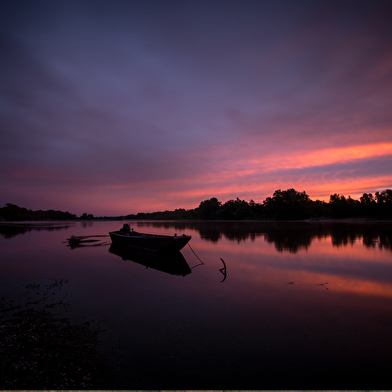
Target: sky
[[119, 107]]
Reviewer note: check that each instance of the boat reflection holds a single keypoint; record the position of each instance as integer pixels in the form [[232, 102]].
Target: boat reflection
[[172, 263]]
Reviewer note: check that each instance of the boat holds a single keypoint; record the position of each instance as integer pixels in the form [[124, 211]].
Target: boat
[[151, 242], [172, 263]]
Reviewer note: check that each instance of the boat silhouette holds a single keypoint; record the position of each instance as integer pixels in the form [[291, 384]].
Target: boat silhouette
[[151, 242]]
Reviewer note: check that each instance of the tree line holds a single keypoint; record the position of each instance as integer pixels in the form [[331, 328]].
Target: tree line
[[12, 212], [288, 204]]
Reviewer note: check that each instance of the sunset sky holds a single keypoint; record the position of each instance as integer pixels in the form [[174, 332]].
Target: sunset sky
[[118, 107]]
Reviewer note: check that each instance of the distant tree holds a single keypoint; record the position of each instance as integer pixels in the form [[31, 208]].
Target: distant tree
[[385, 197], [337, 205], [368, 204], [236, 209], [257, 209], [86, 216], [342, 207], [208, 209], [384, 203], [11, 212], [288, 204], [319, 208], [367, 199]]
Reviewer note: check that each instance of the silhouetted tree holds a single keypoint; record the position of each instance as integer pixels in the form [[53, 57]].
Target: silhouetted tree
[[384, 203], [319, 208], [208, 209], [288, 204], [337, 204], [342, 207], [11, 212], [236, 209], [86, 216], [385, 197], [368, 204]]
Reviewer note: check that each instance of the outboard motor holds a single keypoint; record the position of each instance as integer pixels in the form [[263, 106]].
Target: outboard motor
[[125, 229]]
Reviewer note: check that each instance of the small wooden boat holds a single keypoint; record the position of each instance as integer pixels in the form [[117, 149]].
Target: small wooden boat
[[150, 242]]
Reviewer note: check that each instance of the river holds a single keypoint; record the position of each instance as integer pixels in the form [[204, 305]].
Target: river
[[267, 305]]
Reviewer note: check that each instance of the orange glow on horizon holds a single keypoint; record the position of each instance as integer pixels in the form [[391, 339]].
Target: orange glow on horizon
[[230, 177], [178, 194]]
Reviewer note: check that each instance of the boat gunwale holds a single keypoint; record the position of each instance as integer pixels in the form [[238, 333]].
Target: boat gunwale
[[136, 234]]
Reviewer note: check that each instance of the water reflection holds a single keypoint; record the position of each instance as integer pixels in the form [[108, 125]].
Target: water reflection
[[305, 306], [288, 236], [172, 263], [9, 230]]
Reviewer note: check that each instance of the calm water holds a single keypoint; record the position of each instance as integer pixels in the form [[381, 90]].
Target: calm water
[[303, 305]]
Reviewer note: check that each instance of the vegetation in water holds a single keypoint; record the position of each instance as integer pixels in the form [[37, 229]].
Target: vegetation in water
[[40, 350]]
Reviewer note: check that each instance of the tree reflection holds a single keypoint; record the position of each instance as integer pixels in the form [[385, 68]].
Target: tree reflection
[[286, 239], [289, 236], [9, 230]]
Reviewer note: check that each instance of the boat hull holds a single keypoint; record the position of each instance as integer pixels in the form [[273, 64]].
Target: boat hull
[[150, 242]]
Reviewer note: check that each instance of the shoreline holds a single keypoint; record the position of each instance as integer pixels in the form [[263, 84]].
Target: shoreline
[[67, 223]]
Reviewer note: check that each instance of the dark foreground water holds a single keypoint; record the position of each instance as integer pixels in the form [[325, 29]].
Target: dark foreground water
[[302, 305]]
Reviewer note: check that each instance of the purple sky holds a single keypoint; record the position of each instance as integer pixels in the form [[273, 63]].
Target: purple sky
[[117, 107]]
